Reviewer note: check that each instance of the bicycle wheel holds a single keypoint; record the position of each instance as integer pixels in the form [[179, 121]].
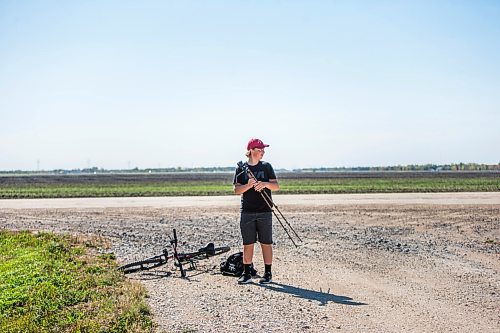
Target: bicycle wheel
[[144, 265]]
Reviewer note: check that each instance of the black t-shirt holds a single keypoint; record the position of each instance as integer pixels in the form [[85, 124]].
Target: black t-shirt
[[251, 200]]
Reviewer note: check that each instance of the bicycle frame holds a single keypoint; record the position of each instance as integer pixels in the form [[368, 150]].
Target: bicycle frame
[[176, 255]]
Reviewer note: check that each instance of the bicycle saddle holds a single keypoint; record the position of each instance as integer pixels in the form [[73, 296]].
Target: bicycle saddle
[[209, 249]]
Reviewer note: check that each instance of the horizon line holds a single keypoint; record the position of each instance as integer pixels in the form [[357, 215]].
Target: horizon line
[[426, 166]]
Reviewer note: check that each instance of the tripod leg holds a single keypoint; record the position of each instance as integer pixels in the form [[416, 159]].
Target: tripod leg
[[288, 234], [279, 211], [270, 203]]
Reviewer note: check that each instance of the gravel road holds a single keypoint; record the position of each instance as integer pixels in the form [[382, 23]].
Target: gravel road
[[369, 263]]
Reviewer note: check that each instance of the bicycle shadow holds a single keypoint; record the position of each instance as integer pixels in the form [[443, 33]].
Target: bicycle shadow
[[161, 274], [322, 297], [152, 275]]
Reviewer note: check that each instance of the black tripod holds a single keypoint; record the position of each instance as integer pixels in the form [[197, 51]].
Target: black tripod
[[270, 203]]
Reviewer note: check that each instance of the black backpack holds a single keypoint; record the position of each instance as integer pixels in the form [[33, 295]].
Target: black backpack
[[233, 265]]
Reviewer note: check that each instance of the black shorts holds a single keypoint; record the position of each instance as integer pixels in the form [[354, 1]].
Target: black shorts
[[256, 226]]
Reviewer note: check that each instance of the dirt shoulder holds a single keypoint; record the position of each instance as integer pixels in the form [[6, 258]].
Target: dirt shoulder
[[369, 263]]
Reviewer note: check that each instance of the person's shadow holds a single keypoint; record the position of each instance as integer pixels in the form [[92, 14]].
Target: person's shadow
[[319, 296]]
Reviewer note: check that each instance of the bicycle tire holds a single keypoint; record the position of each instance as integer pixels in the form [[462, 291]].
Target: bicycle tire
[[144, 265]]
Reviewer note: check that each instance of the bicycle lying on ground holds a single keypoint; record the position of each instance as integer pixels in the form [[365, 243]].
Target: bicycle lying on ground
[[178, 258]]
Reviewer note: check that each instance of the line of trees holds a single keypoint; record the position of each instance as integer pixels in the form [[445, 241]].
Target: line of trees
[[411, 167], [415, 167]]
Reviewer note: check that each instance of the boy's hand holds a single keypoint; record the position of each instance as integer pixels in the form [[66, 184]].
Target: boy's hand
[[252, 182], [259, 186]]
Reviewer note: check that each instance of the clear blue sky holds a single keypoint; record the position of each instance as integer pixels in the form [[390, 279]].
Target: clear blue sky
[[118, 84]]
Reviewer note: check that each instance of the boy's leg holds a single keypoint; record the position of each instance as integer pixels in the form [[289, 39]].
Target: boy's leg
[[247, 261], [249, 235], [265, 232], [267, 253], [248, 254]]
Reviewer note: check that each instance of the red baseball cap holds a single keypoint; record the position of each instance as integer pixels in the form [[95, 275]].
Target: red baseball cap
[[256, 143]]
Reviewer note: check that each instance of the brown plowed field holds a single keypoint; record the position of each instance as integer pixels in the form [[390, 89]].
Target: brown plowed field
[[116, 179]]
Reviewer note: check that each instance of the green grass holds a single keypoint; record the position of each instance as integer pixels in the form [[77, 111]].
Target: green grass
[[51, 283], [386, 185], [224, 187], [197, 188]]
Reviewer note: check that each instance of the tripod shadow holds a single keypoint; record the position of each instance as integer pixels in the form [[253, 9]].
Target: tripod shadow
[[322, 297]]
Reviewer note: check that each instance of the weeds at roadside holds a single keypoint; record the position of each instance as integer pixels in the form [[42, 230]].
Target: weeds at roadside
[[51, 283]]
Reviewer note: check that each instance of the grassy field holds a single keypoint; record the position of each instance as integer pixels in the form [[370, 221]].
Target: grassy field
[[221, 184], [52, 283]]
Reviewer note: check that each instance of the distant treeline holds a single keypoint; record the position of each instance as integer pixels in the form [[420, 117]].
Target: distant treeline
[[415, 167], [412, 167]]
